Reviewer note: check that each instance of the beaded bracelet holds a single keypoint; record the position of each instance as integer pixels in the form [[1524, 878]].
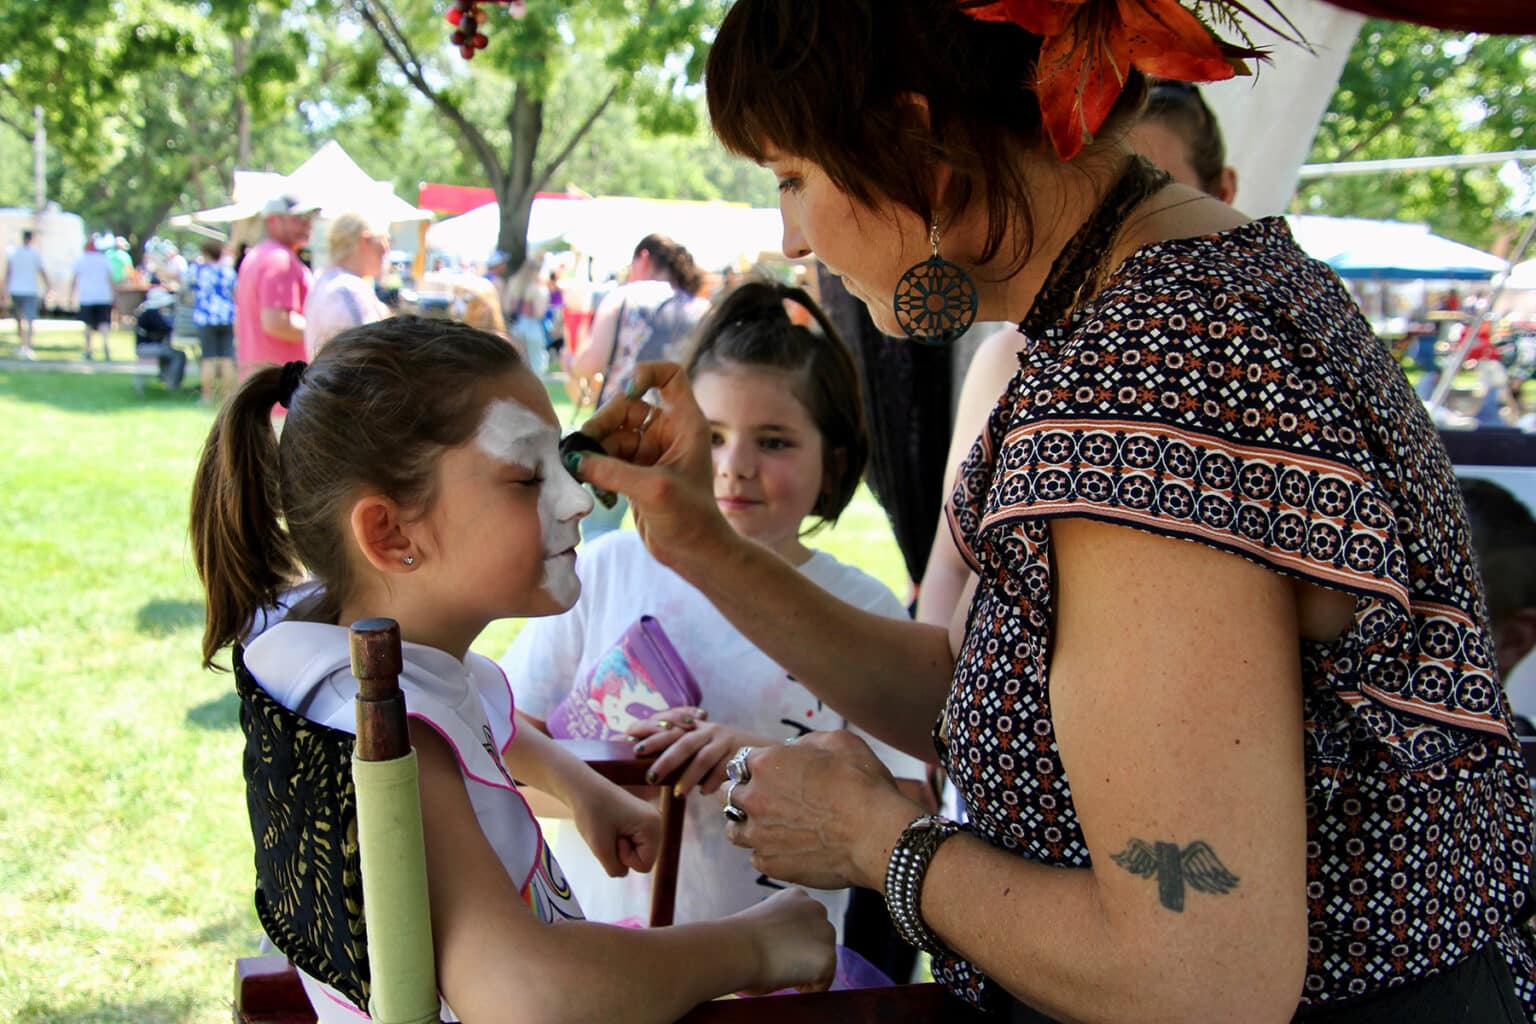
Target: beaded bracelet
[[904, 874]]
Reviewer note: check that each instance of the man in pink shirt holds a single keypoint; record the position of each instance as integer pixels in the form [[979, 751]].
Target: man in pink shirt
[[272, 286]]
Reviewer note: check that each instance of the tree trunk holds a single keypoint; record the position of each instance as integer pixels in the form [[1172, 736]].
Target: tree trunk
[[515, 198], [242, 113]]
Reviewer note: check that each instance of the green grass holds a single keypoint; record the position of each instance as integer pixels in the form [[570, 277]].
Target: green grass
[[125, 856]]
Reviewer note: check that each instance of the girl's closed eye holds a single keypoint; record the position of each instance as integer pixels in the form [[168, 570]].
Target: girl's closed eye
[[790, 183], [525, 478], [776, 443]]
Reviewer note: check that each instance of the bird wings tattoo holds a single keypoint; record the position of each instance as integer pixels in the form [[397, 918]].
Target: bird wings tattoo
[[1196, 865]]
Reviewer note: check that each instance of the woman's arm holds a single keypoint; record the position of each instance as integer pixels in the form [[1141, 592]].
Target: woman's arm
[[946, 575], [597, 348], [1176, 704], [890, 676], [496, 962]]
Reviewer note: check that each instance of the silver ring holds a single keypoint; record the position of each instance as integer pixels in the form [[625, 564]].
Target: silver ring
[[736, 769], [731, 811]]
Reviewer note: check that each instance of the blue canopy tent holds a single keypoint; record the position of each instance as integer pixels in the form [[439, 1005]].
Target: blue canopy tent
[[1385, 250]]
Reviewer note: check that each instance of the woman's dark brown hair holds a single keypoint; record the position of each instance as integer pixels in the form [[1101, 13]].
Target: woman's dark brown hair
[[372, 414], [751, 328], [674, 260], [833, 83]]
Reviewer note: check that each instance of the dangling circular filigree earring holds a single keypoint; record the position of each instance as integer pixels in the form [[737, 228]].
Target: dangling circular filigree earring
[[935, 300]]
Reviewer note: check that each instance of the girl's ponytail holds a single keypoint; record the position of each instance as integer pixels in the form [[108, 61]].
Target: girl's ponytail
[[675, 260], [685, 272], [243, 554]]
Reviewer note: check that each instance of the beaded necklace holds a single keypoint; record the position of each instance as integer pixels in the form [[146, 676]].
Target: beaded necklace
[[1078, 268]]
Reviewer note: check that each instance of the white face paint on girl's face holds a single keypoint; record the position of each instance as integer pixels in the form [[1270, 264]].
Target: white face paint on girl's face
[[512, 434]]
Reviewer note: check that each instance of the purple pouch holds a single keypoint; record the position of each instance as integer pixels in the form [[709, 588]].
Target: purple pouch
[[635, 679]]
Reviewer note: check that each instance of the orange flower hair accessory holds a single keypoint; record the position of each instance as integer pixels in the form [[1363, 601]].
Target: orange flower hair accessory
[[1089, 46]]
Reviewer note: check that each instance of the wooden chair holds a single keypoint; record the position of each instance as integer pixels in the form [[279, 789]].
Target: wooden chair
[[267, 989]]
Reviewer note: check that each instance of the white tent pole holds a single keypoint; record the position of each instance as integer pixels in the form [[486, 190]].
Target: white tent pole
[[1469, 337], [1416, 163]]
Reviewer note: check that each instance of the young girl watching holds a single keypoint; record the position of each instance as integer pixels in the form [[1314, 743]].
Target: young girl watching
[[417, 478], [789, 448]]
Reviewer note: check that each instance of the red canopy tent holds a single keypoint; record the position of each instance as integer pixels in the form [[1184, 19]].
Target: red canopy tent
[[1501, 17]]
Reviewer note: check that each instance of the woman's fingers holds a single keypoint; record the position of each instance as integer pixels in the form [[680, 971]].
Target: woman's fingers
[[624, 416]]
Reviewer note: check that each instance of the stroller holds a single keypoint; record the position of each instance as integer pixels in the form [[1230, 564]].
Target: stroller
[[154, 325]]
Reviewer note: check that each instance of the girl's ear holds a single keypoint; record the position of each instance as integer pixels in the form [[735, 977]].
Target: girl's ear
[[380, 535]]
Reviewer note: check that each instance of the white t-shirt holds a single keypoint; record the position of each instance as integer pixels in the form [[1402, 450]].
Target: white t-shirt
[[93, 279], [306, 667], [741, 686], [339, 299], [23, 267], [1520, 685]]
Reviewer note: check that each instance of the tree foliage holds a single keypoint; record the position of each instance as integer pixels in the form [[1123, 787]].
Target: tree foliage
[[139, 98], [502, 107], [1413, 91]]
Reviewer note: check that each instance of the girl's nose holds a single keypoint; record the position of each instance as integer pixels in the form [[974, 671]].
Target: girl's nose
[[734, 460], [571, 500]]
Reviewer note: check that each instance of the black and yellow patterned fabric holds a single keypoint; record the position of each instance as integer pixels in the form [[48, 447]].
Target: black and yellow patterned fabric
[[309, 885]]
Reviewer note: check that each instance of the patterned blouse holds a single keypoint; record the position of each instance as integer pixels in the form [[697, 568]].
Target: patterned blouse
[[1226, 390]]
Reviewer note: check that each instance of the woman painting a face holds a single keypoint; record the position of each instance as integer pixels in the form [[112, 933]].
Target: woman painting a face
[[1219, 699]]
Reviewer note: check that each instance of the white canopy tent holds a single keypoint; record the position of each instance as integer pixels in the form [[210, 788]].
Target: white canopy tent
[[606, 229], [471, 236], [329, 178]]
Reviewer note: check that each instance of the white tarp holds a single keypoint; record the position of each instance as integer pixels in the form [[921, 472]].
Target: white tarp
[[607, 229], [1522, 278], [1269, 119]]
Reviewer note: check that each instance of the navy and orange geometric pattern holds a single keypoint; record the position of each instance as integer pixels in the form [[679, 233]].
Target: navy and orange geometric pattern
[[1226, 390]]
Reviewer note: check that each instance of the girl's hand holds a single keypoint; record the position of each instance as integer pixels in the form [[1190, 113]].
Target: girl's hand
[[796, 944], [660, 460], [822, 812], [699, 748], [622, 830]]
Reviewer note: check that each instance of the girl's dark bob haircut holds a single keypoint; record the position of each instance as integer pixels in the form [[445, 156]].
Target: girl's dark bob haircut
[[752, 328]]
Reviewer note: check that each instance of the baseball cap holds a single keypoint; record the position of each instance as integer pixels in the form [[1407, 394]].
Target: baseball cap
[[287, 203], [496, 258]]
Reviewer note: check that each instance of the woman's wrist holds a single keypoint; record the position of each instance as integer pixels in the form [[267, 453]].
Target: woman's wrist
[[876, 835], [713, 551], [906, 873]]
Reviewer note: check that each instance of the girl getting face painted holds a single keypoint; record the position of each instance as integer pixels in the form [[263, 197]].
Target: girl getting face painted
[[418, 479]]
